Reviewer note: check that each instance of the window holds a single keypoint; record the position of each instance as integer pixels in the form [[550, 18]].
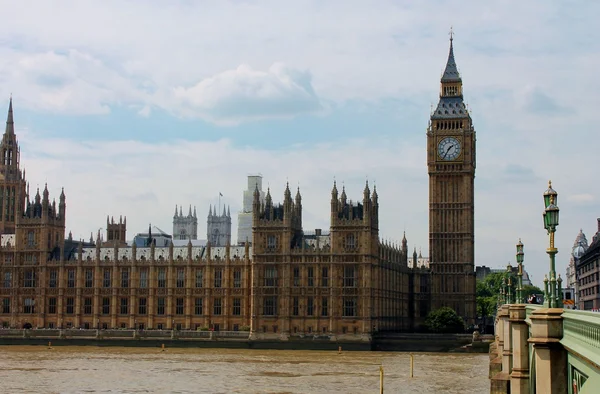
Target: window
[[53, 281], [310, 306], [89, 278], [124, 306], [6, 305], [296, 272], [160, 306], [295, 306], [51, 305], [271, 242], [105, 305], [70, 306], [180, 277], [218, 277], [217, 306], [237, 307], [271, 276], [125, 277], [144, 278], [142, 306], [349, 280], [71, 278], [179, 306], [349, 307], [237, 278], [29, 279], [87, 306], [162, 278], [199, 277], [311, 276], [29, 305], [7, 280], [198, 306], [350, 241], [270, 306], [106, 281], [324, 306], [325, 276], [30, 238]]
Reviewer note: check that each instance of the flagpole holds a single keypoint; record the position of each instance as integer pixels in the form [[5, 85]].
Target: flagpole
[[219, 211]]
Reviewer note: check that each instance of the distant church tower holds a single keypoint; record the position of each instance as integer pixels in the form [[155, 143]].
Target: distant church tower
[[185, 227], [116, 232], [451, 167], [218, 227], [244, 232]]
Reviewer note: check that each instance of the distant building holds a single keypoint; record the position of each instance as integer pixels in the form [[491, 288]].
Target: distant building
[[482, 271], [154, 235], [116, 233], [580, 246], [218, 227], [185, 227], [245, 216], [587, 271], [418, 261]]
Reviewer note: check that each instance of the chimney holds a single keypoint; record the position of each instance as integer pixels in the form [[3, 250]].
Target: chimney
[[318, 230], [598, 225]]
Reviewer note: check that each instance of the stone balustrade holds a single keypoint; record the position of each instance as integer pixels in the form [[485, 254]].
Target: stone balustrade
[[545, 350]]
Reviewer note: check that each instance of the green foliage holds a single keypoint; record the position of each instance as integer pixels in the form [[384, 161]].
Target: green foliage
[[486, 306], [444, 320], [530, 289], [245, 328], [488, 291]]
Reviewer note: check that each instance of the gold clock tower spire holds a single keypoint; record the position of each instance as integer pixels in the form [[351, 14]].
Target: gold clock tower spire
[[451, 167]]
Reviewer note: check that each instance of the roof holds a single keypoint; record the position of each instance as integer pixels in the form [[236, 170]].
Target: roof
[[451, 73], [450, 108]]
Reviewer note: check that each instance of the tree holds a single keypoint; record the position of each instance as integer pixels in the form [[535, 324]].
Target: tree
[[530, 289], [444, 320]]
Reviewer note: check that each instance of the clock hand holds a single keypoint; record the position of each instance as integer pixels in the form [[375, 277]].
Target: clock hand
[[447, 150]]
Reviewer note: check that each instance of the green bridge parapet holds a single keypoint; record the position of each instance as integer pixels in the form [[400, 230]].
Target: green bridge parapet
[[545, 350]]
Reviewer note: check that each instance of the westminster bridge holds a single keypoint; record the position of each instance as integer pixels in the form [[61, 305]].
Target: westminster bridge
[[545, 350]]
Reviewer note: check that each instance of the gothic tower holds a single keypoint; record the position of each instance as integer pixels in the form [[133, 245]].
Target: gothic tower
[[116, 232], [185, 227], [218, 227], [451, 167], [355, 225], [12, 179]]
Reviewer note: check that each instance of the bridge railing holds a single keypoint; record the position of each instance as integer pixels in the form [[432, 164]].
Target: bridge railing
[[545, 350]]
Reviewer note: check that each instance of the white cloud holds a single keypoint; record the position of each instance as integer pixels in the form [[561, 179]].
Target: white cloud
[[246, 94], [352, 50]]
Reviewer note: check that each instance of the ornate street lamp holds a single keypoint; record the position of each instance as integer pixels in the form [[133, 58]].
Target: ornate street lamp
[[520, 256], [509, 299], [554, 294], [503, 292]]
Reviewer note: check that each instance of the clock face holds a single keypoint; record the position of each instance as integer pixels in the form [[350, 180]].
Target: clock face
[[449, 148]]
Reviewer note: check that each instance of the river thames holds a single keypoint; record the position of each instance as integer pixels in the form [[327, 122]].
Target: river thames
[[37, 369]]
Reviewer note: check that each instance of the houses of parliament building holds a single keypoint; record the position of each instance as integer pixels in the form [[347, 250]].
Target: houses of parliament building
[[285, 282]]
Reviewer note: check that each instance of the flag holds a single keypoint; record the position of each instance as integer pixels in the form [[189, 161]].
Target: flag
[[220, 194]]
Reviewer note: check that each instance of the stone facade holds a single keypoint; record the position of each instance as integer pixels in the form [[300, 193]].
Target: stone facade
[[588, 271], [282, 282], [451, 166]]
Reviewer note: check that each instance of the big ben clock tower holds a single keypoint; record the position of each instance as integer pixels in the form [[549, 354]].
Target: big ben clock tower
[[451, 167]]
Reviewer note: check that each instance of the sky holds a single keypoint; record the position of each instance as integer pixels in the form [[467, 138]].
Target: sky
[[135, 106]]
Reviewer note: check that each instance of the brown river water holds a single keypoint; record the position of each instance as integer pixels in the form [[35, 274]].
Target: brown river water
[[37, 369]]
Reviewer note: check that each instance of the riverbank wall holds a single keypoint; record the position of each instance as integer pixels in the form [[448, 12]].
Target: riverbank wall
[[243, 340]]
